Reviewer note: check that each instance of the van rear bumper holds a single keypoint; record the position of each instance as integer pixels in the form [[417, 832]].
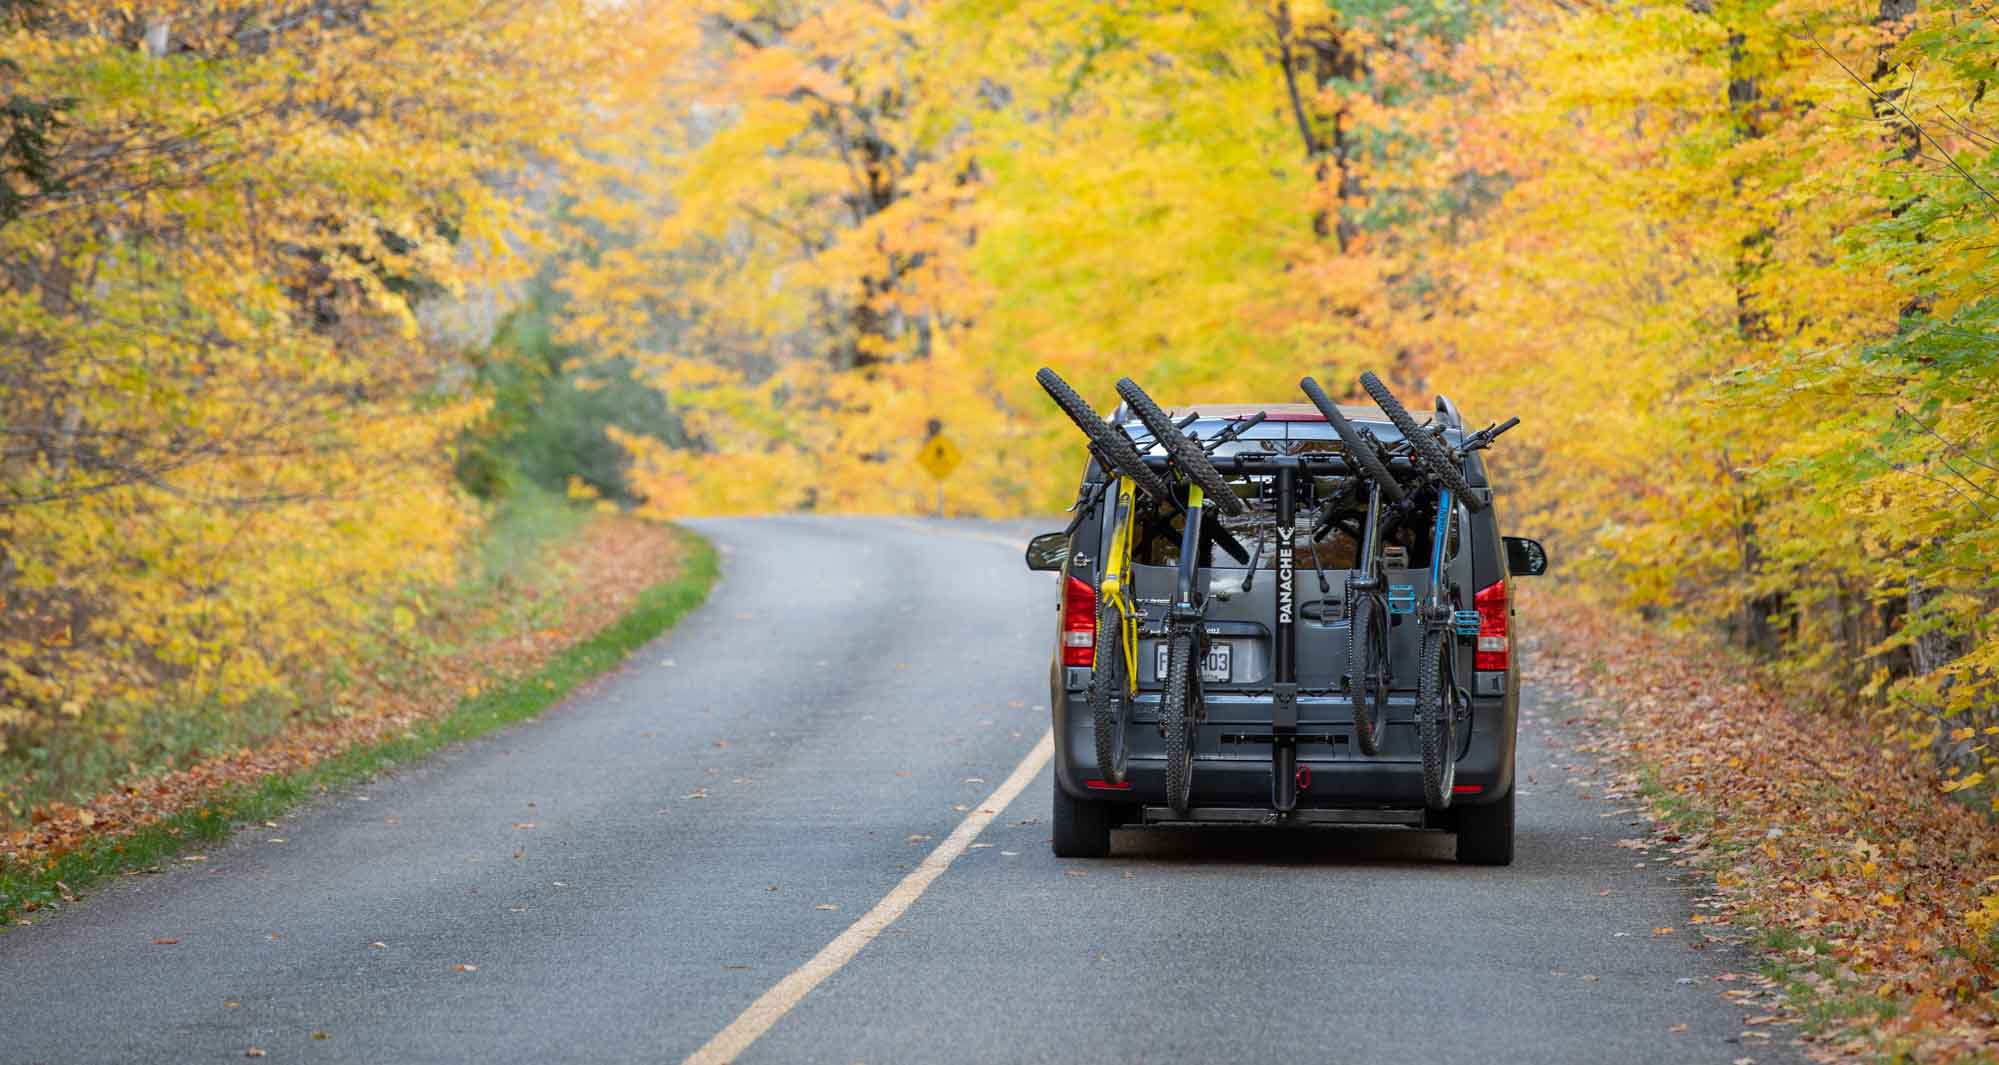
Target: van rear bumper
[[1232, 761]]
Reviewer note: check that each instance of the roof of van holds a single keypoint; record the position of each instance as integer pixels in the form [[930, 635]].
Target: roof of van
[[1279, 412]]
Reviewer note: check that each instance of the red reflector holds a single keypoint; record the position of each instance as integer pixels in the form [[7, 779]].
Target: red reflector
[[1105, 785], [1467, 789], [1079, 623], [1494, 653]]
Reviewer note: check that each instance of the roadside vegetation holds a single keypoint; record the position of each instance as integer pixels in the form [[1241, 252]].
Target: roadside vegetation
[[1868, 894], [303, 304], [293, 480]]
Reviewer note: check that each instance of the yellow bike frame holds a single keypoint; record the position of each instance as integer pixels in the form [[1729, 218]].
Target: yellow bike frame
[[1115, 587]]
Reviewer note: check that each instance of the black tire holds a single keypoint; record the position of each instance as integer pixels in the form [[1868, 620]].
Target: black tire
[[1082, 828], [1430, 456], [1109, 697], [1185, 453], [1485, 832], [1363, 450], [1112, 441], [1177, 716], [1436, 719], [1369, 668]]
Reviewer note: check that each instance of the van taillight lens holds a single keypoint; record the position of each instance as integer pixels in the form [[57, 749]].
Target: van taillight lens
[[1079, 623], [1493, 654]]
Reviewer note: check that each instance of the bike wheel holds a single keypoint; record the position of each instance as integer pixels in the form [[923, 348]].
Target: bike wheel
[[1368, 665], [1436, 719], [1112, 441], [1109, 696], [1430, 455], [1178, 715], [1367, 458], [1185, 453]]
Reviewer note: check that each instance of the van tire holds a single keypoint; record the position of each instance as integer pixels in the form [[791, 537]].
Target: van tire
[[1082, 828], [1485, 832]]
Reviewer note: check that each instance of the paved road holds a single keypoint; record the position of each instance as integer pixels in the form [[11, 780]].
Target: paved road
[[618, 880]]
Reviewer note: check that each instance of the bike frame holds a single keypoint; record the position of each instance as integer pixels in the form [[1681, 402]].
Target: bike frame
[[1115, 584]]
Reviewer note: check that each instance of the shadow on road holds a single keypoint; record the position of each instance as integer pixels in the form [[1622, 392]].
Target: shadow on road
[[1294, 847]]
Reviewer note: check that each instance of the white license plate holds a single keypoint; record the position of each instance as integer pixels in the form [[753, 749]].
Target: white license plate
[[1214, 669]]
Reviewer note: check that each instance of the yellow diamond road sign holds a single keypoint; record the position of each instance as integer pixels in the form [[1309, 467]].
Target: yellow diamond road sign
[[939, 455]]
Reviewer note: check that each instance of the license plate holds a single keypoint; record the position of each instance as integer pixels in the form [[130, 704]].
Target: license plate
[[1214, 668]]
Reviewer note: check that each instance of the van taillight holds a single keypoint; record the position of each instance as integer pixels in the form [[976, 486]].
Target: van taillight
[[1493, 654], [1079, 623]]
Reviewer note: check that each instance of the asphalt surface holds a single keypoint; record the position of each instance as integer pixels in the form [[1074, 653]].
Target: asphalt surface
[[617, 880]]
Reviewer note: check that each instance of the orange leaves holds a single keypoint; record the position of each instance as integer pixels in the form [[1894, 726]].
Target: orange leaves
[[1809, 831]]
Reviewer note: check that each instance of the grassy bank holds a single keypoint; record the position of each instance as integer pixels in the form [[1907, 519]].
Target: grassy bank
[[48, 881]]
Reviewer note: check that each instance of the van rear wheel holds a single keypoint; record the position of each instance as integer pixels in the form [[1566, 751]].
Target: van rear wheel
[[1082, 828]]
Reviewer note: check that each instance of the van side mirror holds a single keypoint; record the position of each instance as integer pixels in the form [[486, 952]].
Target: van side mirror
[[1046, 553], [1524, 557]]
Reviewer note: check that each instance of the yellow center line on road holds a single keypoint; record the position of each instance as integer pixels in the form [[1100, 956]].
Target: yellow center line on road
[[772, 1005]]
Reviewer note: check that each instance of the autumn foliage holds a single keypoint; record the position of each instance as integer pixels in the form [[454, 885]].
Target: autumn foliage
[[234, 242], [1732, 262]]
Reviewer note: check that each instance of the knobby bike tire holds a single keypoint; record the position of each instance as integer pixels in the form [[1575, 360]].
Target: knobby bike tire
[[1110, 699], [1112, 441], [1436, 720], [1177, 716], [1368, 665], [1430, 454], [1366, 456], [1185, 453]]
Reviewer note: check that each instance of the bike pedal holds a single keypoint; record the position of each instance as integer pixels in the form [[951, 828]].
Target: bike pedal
[[1466, 622], [1401, 599]]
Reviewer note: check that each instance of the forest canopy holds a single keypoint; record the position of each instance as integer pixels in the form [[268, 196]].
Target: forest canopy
[[265, 271]]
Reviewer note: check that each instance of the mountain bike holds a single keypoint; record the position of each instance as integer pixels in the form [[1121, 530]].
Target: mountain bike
[[1181, 705], [1113, 685], [1369, 669], [1441, 702]]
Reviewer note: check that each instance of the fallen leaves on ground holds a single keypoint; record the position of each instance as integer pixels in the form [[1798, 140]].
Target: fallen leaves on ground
[[608, 566], [1814, 830]]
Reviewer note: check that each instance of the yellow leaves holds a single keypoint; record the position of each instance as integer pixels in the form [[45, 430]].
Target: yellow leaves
[[1969, 780], [1983, 920]]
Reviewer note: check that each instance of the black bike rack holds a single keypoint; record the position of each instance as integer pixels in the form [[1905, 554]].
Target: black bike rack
[[1285, 471]]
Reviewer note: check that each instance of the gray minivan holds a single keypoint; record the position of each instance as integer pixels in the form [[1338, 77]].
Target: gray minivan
[[1336, 784]]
